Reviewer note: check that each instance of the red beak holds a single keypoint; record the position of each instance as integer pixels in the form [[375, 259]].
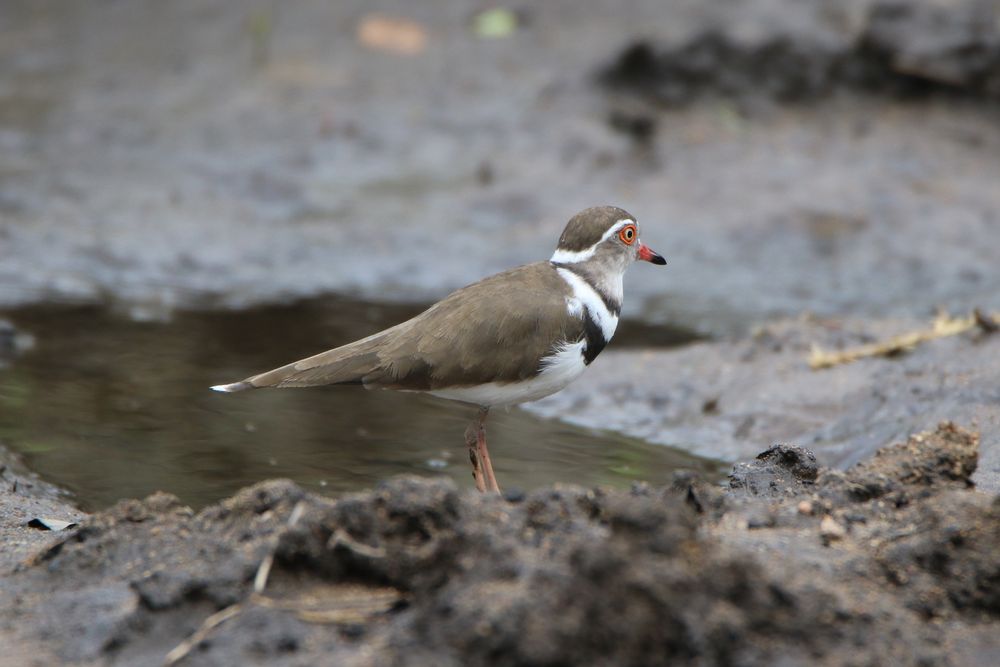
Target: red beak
[[646, 254]]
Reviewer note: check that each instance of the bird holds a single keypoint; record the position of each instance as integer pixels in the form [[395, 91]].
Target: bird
[[510, 338]]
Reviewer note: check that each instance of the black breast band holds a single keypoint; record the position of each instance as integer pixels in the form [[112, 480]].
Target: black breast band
[[594, 336]]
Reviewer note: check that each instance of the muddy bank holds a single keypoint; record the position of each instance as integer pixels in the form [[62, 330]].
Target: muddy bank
[[25, 496], [722, 398], [890, 561], [885, 48], [237, 155]]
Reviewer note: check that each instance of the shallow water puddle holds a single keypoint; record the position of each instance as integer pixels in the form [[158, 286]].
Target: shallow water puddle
[[112, 408]]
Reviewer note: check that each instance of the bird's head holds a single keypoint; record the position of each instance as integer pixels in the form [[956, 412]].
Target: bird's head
[[604, 236]]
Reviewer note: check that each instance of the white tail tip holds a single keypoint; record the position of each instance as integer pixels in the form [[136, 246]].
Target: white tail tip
[[229, 388]]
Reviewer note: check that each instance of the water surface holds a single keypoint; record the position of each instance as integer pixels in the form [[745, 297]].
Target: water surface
[[113, 408]]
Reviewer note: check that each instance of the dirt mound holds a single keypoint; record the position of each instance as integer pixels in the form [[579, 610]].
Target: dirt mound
[[782, 469], [923, 464], [944, 559], [416, 572]]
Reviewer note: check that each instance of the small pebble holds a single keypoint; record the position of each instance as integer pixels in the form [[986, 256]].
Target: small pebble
[[806, 507], [830, 530], [514, 495]]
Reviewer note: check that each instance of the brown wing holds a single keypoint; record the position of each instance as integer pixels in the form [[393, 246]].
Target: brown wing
[[496, 330]]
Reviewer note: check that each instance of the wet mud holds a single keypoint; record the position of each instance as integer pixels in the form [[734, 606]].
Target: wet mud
[[725, 397], [887, 48], [889, 561], [784, 156]]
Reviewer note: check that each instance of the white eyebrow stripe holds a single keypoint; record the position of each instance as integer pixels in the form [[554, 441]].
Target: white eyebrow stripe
[[574, 256]]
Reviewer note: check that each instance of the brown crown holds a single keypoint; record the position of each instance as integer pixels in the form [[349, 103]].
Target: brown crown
[[588, 226]]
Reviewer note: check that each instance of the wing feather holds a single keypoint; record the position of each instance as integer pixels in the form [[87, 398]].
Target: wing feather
[[496, 330]]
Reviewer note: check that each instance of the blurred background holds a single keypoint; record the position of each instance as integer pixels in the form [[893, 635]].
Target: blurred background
[[194, 191]]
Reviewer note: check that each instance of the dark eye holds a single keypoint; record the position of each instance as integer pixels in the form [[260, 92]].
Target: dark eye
[[627, 234]]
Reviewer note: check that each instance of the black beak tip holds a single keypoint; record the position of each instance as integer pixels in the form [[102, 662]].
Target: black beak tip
[[658, 259]]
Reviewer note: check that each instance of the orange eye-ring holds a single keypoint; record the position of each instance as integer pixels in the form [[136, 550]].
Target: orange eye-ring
[[627, 234]]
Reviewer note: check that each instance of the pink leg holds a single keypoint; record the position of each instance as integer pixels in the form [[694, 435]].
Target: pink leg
[[472, 441], [484, 454]]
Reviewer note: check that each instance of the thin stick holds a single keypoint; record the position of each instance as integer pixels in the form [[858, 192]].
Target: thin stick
[[264, 570], [944, 325], [180, 651], [341, 538]]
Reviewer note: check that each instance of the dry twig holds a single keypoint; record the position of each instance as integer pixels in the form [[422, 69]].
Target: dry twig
[[336, 604], [264, 570], [944, 325], [180, 651]]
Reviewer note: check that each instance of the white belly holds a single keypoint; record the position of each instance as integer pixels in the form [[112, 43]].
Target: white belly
[[557, 371]]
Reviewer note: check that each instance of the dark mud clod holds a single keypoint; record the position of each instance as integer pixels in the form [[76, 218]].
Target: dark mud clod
[[775, 471], [433, 575]]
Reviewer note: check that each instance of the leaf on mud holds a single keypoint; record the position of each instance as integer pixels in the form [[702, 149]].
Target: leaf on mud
[[392, 35], [49, 523], [494, 23]]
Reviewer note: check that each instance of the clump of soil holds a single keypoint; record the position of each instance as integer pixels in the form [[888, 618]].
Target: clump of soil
[[924, 464], [418, 572], [782, 469]]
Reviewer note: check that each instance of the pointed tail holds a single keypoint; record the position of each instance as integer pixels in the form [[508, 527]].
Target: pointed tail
[[229, 388], [348, 364]]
